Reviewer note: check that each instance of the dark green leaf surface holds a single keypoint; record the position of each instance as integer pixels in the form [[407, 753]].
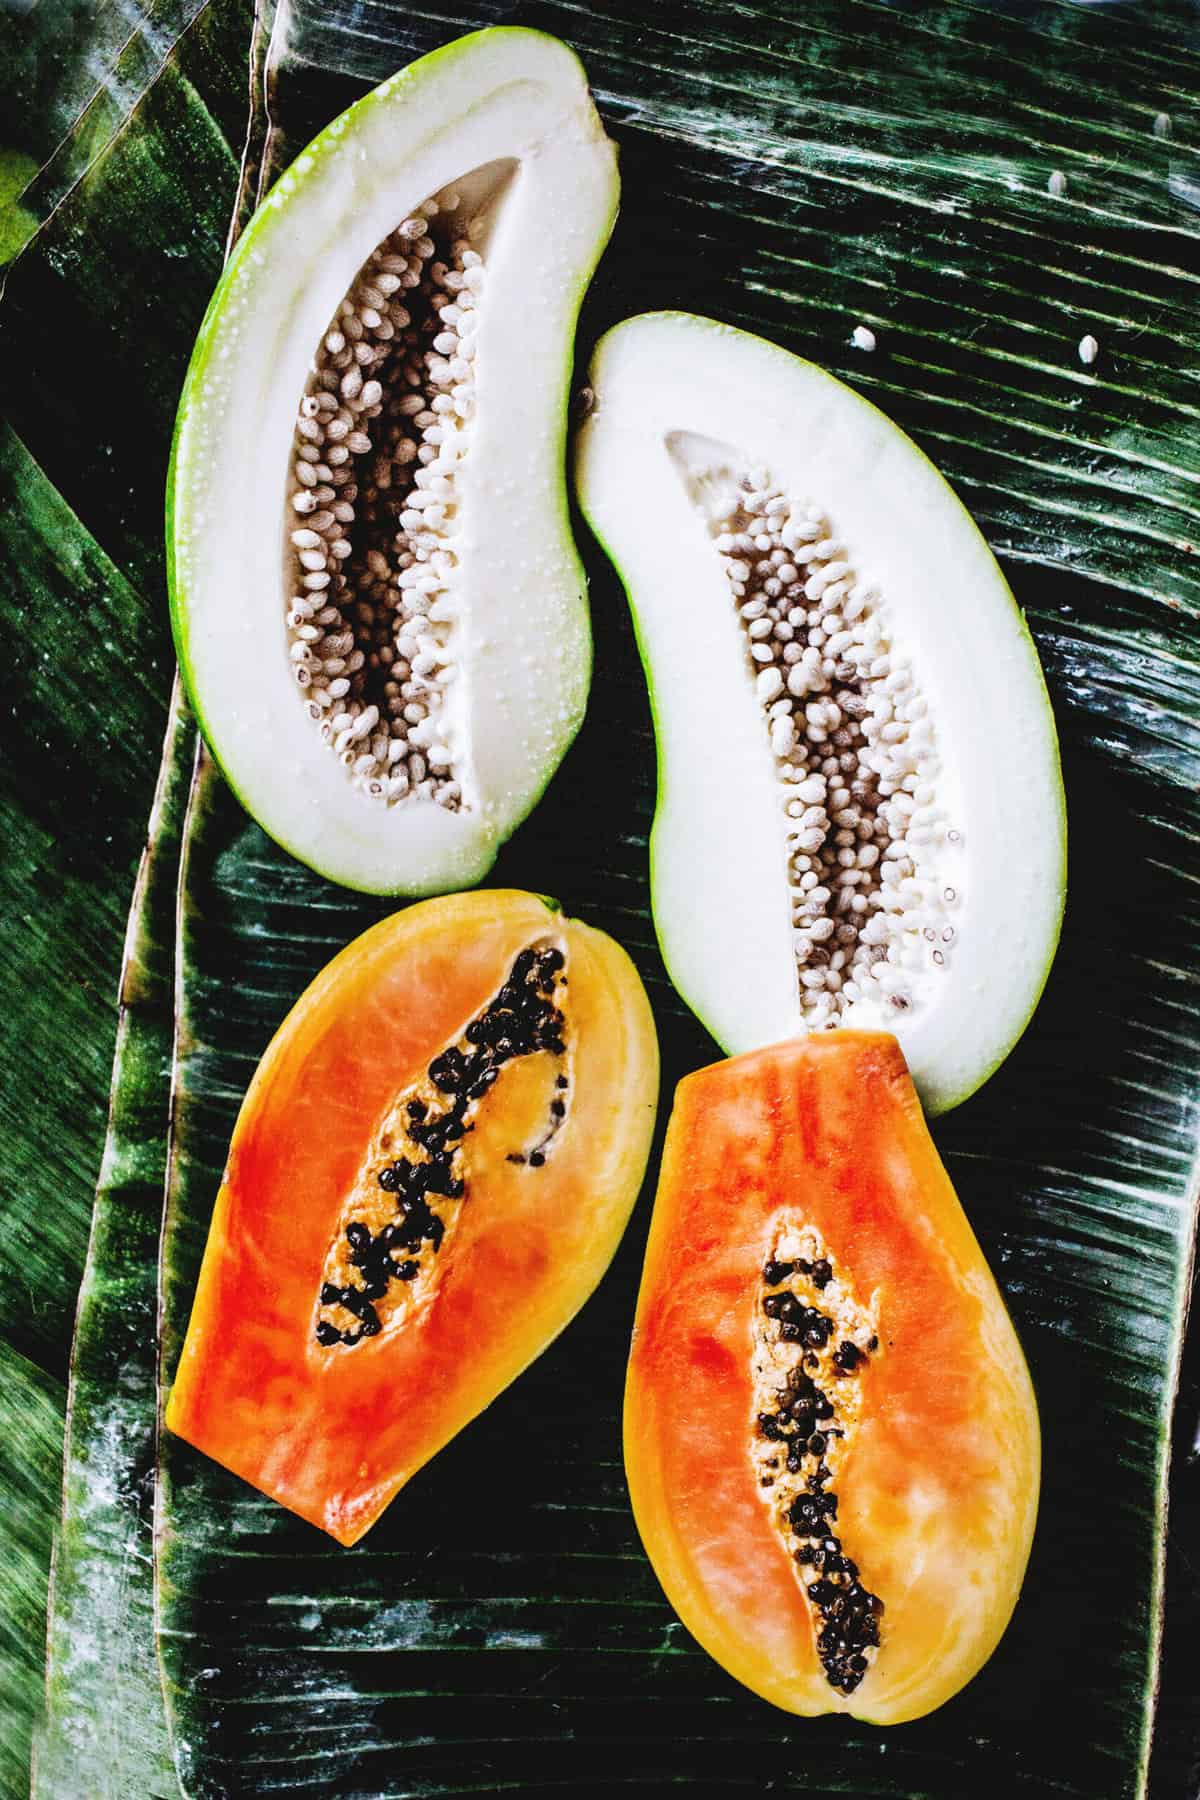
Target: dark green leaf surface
[[71, 812], [71, 841], [99, 315], [72, 845], [87, 677], [31, 1414], [76, 72], [794, 173]]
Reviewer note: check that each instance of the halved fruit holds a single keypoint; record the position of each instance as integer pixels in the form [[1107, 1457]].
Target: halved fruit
[[830, 1434], [430, 1173], [860, 813], [377, 603]]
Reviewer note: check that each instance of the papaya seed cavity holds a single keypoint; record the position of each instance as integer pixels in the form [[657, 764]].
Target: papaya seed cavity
[[406, 1199], [812, 1343], [375, 503], [871, 852]]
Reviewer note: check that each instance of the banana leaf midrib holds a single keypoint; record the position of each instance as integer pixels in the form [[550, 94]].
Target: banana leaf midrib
[[100, 1658]]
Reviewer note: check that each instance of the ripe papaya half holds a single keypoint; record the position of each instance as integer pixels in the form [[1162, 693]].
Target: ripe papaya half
[[830, 1432], [430, 1173]]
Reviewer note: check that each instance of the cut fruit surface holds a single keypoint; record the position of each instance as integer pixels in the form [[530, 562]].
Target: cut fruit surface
[[377, 603], [830, 1433], [430, 1173], [860, 814]]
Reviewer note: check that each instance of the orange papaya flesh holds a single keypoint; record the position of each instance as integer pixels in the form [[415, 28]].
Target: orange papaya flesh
[[831, 1437], [430, 1172]]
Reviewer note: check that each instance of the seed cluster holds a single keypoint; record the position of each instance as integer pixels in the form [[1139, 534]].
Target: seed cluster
[[383, 428], [373, 1252], [857, 754], [812, 1343]]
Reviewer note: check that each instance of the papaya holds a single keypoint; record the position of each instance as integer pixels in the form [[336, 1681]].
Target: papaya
[[813, 584], [831, 1437], [379, 612], [429, 1174]]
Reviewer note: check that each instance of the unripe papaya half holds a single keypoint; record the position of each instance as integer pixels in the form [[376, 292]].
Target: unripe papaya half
[[430, 1173], [847, 703], [376, 600], [830, 1432]]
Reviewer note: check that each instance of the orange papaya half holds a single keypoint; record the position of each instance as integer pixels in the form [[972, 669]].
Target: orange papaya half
[[831, 1437], [430, 1172]]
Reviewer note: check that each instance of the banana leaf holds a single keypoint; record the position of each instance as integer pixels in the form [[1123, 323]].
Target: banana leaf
[[88, 678], [75, 72], [31, 1412], [100, 310], [795, 171], [103, 1725], [71, 842]]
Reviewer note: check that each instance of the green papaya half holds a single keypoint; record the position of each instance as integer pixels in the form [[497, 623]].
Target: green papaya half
[[377, 603], [860, 812]]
